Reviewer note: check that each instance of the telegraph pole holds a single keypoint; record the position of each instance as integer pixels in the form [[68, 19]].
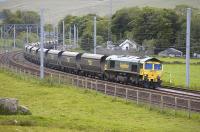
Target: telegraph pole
[[37, 31], [63, 35], [1, 33], [188, 47], [54, 36], [57, 35], [110, 23], [95, 35], [75, 36], [27, 35], [70, 35], [14, 33], [41, 43]]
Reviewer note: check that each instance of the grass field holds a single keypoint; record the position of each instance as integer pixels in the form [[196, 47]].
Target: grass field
[[6, 43], [65, 108], [177, 60], [177, 68], [178, 76]]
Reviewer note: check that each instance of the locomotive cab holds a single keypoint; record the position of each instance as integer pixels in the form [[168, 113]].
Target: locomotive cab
[[151, 72]]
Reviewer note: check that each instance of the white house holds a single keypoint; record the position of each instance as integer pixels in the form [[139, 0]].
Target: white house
[[195, 55], [127, 44]]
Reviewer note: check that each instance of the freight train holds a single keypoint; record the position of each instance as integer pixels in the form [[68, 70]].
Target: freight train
[[140, 71]]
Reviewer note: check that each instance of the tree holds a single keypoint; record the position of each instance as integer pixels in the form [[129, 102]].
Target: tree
[[124, 20], [20, 17], [86, 42]]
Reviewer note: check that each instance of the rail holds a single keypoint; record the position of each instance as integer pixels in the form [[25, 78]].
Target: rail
[[150, 97]]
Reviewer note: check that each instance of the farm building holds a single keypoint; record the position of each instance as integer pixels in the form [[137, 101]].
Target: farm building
[[127, 45], [195, 55], [110, 45], [171, 52]]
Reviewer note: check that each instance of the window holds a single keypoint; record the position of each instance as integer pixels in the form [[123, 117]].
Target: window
[[112, 64], [141, 66], [148, 66], [157, 67], [134, 68]]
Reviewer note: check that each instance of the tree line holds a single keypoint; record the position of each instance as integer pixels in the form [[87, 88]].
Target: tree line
[[155, 28]]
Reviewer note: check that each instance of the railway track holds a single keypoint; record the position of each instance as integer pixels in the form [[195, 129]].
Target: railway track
[[188, 98]]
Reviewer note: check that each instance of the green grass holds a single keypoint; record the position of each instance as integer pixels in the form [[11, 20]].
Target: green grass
[[66, 108], [177, 68], [6, 43], [174, 60], [178, 75]]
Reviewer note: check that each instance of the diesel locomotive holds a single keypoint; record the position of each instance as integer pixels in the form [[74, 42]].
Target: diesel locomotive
[[141, 71]]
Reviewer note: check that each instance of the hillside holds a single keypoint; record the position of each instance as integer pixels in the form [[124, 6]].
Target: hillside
[[66, 108], [56, 10]]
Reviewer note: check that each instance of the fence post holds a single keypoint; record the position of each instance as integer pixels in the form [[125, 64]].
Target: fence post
[[161, 102], [63, 79], [85, 82], [90, 84], [77, 80], [24, 74], [189, 108], [150, 100], [137, 97], [72, 81], [115, 92], [59, 78], [36, 75], [82, 83], [29, 73], [105, 88], [51, 77], [20, 71], [96, 85], [175, 105], [126, 94]]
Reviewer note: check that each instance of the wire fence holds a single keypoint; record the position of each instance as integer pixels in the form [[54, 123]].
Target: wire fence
[[153, 99]]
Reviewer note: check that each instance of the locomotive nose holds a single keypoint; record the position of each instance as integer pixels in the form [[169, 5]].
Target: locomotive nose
[[152, 76]]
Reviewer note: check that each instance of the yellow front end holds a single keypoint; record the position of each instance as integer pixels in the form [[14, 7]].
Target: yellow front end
[[151, 71]]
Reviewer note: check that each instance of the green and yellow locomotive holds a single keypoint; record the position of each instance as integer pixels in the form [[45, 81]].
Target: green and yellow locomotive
[[142, 71]]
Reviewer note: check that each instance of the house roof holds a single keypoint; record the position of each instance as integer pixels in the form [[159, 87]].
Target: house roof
[[171, 51], [129, 42]]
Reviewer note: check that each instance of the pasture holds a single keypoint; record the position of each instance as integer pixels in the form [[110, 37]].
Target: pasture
[[66, 108], [177, 68], [171, 60]]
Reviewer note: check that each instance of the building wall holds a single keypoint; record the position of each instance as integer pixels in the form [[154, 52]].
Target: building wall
[[127, 46]]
